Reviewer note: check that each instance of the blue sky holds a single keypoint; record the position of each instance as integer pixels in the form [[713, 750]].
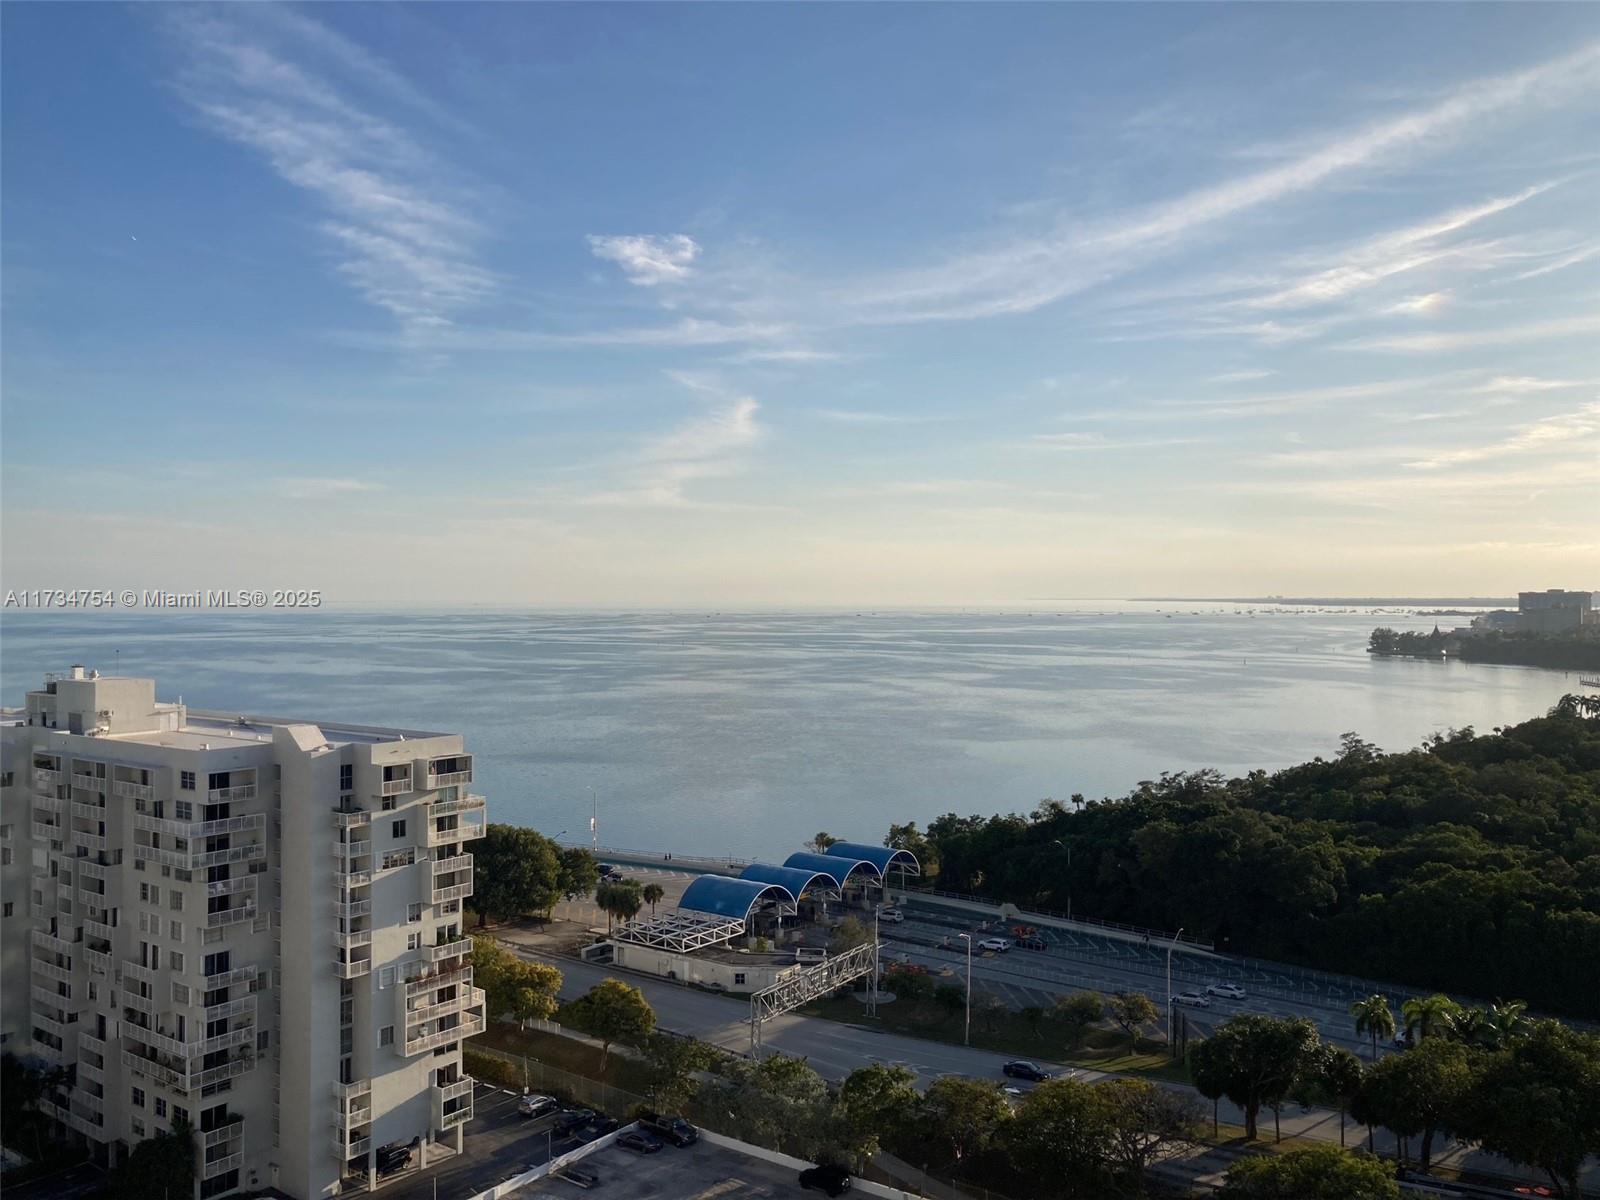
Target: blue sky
[[539, 304]]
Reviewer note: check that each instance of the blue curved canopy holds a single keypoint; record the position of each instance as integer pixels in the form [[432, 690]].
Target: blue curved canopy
[[835, 866], [725, 897], [795, 880], [882, 857]]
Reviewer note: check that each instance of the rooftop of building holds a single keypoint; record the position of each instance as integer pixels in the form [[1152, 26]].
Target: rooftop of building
[[699, 1170]]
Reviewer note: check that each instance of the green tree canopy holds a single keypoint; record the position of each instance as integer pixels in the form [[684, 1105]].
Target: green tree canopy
[[778, 1102], [1255, 1061], [960, 1117], [873, 1106], [1310, 1173], [579, 872], [619, 899], [527, 990], [612, 1011], [516, 872], [1417, 1093], [1131, 1011], [159, 1167], [1374, 1019], [1062, 1139], [1075, 1012], [671, 1066]]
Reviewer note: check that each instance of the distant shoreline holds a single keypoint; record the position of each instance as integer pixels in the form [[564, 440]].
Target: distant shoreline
[[1362, 601]]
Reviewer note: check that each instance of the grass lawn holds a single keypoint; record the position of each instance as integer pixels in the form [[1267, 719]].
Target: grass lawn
[[564, 1053], [1009, 1034]]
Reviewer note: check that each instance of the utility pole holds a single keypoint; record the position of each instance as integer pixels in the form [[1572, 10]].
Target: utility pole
[[1170, 947], [594, 821], [966, 1032]]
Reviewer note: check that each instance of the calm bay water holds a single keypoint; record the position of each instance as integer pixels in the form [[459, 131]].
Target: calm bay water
[[747, 733]]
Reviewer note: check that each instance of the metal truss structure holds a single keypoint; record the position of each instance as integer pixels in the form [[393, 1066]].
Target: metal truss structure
[[812, 983], [681, 930]]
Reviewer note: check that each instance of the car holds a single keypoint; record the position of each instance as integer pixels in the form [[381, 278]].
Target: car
[[1226, 991], [608, 871], [392, 1158], [1191, 1000], [534, 1105], [1022, 1069], [1032, 943], [997, 944], [639, 1142], [828, 1178], [599, 1127], [581, 1176], [670, 1129], [893, 915], [569, 1120]]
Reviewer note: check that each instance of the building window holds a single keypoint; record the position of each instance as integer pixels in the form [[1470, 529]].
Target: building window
[[177, 930], [413, 912], [388, 803], [186, 780], [138, 1097], [138, 1128], [176, 958], [8, 908], [738, 979], [179, 1113], [176, 897], [397, 829], [161, 1107], [144, 893], [386, 1036], [261, 1041], [414, 941], [183, 810], [347, 777], [399, 858]]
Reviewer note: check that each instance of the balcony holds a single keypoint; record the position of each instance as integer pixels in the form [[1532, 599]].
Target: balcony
[[194, 860], [152, 1070], [46, 780], [461, 804], [349, 939], [396, 787], [443, 977], [352, 968], [93, 870], [191, 830], [97, 960], [468, 998], [348, 850], [229, 978], [89, 841], [133, 970], [222, 1133], [231, 795], [466, 827], [44, 831], [471, 1025], [49, 941], [88, 812], [148, 1005], [49, 970], [229, 1009], [443, 895], [87, 1041], [231, 916], [356, 1148], [54, 999], [351, 818], [132, 791], [95, 783], [98, 929], [170, 1045], [221, 1166], [54, 805], [446, 950], [50, 1025], [232, 887], [343, 1093], [347, 1120], [87, 1070], [355, 879], [456, 862], [452, 1104]]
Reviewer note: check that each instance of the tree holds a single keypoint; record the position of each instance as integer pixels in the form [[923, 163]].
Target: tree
[[909, 837], [1130, 1010], [907, 984], [612, 1011], [989, 1009], [1537, 1102], [820, 843], [1416, 1093], [671, 1064], [960, 1116], [529, 991], [1147, 1123], [579, 872], [1061, 1139], [1255, 1060], [778, 1102], [1374, 1019], [22, 1086], [517, 871], [1427, 1015], [1340, 1078], [950, 997], [653, 894], [872, 1106], [159, 1167], [1075, 1012], [619, 899], [847, 935], [1310, 1173]]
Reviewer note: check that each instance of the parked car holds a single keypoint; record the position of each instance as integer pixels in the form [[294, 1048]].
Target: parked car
[[1022, 1069], [810, 954], [893, 915], [392, 1158], [582, 1176], [639, 1142], [1226, 991], [1032, 943], [998, 944], [1191, 1000], [670, 1129], [569, 1120], [608, 871], [598, 1127], [829, 1179], [535, 1105]]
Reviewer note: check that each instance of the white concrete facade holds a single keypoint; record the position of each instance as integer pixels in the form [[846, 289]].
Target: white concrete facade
[[253, 923]]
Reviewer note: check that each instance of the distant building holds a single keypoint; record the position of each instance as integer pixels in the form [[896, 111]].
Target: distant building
[[1501, 620], [1554, 611]]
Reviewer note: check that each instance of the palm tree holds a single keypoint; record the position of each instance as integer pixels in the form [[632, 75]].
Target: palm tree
[[652, 894], [1428, 1014], [1504, 1020], [1374, 1018], [1469, 1026]]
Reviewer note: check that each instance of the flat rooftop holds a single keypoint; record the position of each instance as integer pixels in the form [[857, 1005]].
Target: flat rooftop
[[217, 729], [700, 1172]]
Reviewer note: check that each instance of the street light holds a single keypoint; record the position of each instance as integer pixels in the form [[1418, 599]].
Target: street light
[[1068, 849], [966, 1032], [1170, 948]]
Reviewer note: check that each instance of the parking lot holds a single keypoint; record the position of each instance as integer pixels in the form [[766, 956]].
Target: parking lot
[[699, 1171], [499, 1144]]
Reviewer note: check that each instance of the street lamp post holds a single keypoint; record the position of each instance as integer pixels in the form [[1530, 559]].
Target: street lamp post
[[966, 1031], [1170, 948], [1068, 849]]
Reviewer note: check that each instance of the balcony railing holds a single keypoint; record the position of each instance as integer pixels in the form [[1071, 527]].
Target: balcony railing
[[98, 929], [446, 1092], [229, 1009], [81, 779], [349, 850], [43, 778], [461, 804], [54, 999], [148, 1005], [222, 1166], [132, 791], [50, 971], [97, 960], [231, 916], [150, 1069], [456, 862], [88, 812], [447, 779], [44, 831], [231, 887], [445, 894], [52, 943], [353, 1149], [244, 823], [351, 818], [231, 795], [471, 1025], [432, 1012], [443, 977], [353, 879], [228, 978], [53, 805], [222, 1133], [448, 1120], [466, 827], [93, 870], [87, 1041], [351, 938], [360, 1114], [395, 787], [352, 968], [170, 1045], [133, 970], [446, 950], [195, 860], [354, 1090]]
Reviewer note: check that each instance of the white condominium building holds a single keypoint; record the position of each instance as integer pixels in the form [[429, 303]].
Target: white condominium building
[[249, 924]]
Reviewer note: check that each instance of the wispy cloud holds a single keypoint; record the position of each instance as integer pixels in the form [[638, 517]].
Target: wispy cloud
[[648, 259], [1580, 425], [1027, 274], [705, 448], [857, 416], [398, 240], [1509, 335], [1245, 376], [1096, 441], [1430, 302], [1519, 385], [324, 489], [1581, 255]]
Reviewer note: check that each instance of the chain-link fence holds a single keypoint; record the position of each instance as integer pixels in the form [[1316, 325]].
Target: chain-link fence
[[522, 1073]]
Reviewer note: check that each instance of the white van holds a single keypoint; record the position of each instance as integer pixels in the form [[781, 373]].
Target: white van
[[810, 954]]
